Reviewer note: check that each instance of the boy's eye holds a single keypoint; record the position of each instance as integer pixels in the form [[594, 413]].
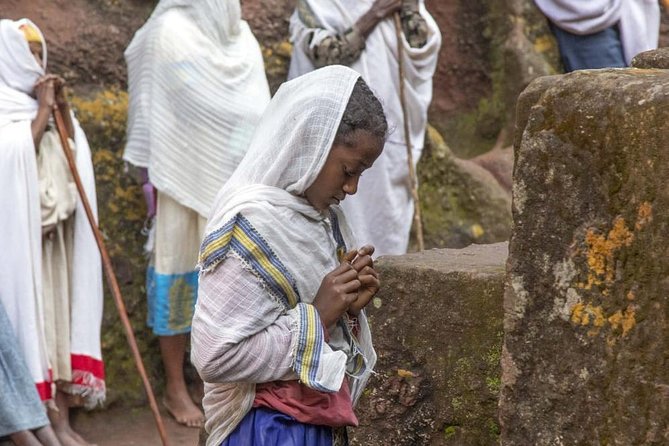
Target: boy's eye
[[349, 173]]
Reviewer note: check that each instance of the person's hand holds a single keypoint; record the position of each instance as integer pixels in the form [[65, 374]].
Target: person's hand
[[59, 84], [45, 91], [338, 290], [369, 278], [383, 8]]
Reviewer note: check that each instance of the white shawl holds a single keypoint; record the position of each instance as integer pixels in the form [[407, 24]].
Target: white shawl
[[197, 89], [639, 20], [287, 152], [21, 237]]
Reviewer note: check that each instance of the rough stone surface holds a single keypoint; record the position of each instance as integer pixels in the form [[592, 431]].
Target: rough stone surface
[[437, 327], [586, 311], [652, 59], [461, 201]]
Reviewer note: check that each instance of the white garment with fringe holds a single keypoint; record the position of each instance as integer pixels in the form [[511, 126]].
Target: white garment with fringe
[[381, 213], [197, 90], [21, 279], [244, 330]]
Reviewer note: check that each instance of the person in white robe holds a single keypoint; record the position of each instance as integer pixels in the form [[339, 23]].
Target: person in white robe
[[50, 270], [197, 88], [361, 34]]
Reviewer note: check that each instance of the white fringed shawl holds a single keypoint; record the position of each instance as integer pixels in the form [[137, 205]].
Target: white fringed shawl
[[197, 89]]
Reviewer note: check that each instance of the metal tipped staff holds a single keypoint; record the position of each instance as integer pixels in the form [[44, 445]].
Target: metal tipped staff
[[412, 171], [109, 273]]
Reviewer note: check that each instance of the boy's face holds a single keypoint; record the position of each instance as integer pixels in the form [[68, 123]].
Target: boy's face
[[342, 169]]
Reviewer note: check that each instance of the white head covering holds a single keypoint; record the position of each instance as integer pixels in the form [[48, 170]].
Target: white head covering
[[288, 150], [197, 89], [18, 72]]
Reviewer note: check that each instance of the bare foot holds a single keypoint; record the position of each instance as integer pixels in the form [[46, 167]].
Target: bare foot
[[182, 408], [47, 436], [79, 438], [66, 439], [60, 420], [24, 438]]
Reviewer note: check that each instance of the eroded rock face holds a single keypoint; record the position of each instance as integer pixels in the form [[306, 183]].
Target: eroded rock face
[[586, 331], [461, 201], [652, 59], [437, 328]]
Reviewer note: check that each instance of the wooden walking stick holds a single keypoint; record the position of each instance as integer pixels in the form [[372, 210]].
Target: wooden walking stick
[[412, 171], [109, 273]]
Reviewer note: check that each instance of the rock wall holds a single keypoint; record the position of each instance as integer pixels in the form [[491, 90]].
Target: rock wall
[[586, 311], [462, 201], [437, 328]]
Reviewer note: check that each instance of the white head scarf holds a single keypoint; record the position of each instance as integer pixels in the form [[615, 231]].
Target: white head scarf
[[288, 150], [197, 89], [18, 72]]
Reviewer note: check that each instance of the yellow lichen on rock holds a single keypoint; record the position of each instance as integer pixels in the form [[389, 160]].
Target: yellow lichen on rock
[[601, 252]]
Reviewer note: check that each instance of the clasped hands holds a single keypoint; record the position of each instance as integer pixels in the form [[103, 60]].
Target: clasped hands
[[50, 90], [349, 287]]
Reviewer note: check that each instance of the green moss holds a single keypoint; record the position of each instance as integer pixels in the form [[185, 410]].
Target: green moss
[[450, 431], [458, 205]]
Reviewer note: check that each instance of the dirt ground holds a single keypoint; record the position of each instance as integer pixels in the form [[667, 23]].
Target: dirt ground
[[131, 427]]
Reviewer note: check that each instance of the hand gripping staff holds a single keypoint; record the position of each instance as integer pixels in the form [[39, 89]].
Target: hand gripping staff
[[412, 171], [109, 273]]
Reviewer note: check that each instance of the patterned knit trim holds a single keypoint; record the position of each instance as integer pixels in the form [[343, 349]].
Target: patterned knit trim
[[241, 237], [336, 233], [309, 345]]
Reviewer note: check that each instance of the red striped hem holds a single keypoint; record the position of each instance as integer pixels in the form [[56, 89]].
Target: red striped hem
[[87, 364], [45, 388]]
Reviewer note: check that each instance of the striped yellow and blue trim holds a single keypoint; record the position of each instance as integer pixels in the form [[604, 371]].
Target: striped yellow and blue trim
[[309, 345], [336, 233], [241, 237]]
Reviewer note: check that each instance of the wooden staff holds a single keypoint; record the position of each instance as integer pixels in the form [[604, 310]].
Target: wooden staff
[[412, 171], [109, 273]]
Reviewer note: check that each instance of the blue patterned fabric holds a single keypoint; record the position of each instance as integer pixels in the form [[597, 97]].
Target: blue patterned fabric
[[20, 405], [171, 303], [266, 427]]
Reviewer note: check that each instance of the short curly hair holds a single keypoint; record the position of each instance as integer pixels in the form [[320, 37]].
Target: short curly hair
[[363, 112]]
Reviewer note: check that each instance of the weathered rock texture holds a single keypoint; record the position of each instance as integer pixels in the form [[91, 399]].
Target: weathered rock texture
[[437, 328], [586, 310], [652, 59], [462, 202]]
